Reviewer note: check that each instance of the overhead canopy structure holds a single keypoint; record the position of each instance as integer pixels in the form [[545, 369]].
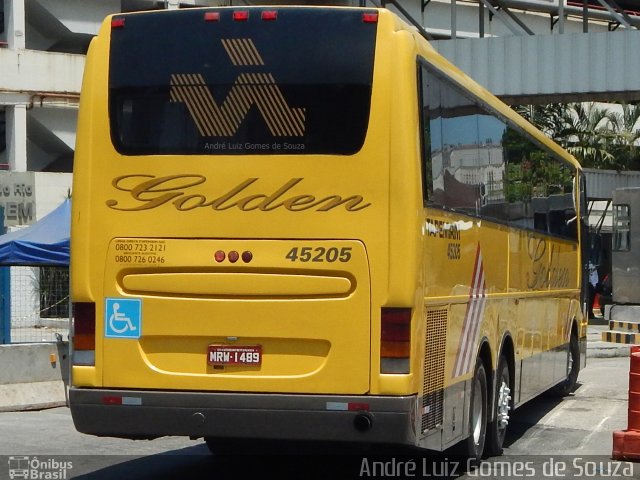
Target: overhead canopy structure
[[44, 243]]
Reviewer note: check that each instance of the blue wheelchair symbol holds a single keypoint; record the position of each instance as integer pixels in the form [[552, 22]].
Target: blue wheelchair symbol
[[123, 318]]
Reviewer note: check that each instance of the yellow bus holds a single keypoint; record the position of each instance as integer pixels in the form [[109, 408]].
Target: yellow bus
[[303, 223]]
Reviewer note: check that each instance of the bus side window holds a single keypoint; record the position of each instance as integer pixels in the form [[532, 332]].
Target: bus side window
[[431, 135], [477, 163], [449, 146]]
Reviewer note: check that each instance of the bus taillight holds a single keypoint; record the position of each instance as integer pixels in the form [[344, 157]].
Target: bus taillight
[[395, 340], [84, 333]]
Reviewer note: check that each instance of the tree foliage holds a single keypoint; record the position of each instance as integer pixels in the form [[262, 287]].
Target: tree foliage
[[598, 135]]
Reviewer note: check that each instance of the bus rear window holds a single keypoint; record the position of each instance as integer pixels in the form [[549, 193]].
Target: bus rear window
[[201, 82]]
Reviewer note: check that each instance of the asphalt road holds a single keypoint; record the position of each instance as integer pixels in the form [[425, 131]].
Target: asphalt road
[[548, 438]]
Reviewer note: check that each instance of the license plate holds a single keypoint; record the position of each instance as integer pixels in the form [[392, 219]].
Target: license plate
[[245, 355]]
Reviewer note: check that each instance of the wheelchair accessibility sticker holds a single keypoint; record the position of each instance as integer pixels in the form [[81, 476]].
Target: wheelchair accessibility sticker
[[123, 318]]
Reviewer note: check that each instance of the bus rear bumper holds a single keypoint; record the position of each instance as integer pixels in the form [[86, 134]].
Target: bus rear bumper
[[151, 414]]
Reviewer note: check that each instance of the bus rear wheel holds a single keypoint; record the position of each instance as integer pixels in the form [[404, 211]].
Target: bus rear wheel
[[497, 429], [474, 444]]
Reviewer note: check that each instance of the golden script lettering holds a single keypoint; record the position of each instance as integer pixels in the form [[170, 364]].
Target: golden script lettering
[[545, 271], [180, 191]]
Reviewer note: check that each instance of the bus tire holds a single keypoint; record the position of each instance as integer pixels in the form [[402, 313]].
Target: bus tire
[[502, 405], [474, 444], [565, 387]]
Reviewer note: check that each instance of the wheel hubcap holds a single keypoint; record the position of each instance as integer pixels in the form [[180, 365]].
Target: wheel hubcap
[[477, 413], [504, 400], [570, 364]]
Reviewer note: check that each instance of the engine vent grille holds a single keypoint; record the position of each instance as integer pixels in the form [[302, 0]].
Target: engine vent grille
[[433, 374]]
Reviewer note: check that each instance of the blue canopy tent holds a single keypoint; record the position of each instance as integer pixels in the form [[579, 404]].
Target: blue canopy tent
[[45, 243]]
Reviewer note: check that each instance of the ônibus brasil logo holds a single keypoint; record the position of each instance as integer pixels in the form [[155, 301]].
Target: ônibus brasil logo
[[34, 468]]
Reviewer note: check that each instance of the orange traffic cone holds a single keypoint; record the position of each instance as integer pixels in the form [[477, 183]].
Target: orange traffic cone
[[626, 443]]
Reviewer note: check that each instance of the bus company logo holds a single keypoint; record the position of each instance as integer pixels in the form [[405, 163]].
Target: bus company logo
[[148, 192], [259, 89], [38, 469], [546, 270]]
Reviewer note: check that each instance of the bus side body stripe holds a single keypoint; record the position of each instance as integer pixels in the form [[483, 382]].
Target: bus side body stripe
[[472, 318]]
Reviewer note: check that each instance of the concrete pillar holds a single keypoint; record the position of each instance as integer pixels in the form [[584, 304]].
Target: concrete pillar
[[16, 117], [14, 19]]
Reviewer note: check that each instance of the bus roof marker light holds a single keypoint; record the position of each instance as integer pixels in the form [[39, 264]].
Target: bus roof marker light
[[269, 15], [233, 256], [212, 16], [117, 23], [241, 15], [370, 17], [247, 256], [219, 256]]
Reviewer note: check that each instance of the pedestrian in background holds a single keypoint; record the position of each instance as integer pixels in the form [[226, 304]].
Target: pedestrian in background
[[594, 286]]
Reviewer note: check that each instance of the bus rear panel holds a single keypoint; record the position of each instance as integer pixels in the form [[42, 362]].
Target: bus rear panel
[[238, 209]]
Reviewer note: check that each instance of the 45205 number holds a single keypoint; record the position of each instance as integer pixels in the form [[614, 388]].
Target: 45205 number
[[319, 254]]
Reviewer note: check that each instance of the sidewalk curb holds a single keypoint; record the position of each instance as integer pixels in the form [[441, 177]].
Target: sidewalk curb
[[607, 351], [597, 348]]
